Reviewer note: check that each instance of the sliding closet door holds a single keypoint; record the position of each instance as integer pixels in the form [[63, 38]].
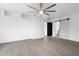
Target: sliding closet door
[[64, 29], [61, 29]]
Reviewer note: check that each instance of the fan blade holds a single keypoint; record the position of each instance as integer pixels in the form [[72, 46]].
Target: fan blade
[[49, 7], [46, 14], [32, 7], [50, 11], [41, 5]]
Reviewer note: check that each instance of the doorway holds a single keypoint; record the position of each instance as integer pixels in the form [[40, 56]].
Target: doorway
[[49, 28]]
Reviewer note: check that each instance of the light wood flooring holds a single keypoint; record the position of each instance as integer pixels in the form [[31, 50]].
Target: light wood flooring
[[47, 46]]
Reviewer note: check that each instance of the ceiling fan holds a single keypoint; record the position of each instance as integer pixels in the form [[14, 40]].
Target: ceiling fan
[[42, 11]]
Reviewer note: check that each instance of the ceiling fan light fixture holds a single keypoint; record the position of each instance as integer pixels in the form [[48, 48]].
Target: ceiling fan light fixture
[[41, 12]]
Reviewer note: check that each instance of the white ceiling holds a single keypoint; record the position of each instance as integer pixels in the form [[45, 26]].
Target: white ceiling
[[61, 8]]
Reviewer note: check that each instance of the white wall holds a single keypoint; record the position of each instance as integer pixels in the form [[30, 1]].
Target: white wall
[[45, 28], [73, 26], [13, 29]]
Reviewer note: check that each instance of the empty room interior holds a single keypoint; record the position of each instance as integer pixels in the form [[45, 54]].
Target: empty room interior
[[39, 29]]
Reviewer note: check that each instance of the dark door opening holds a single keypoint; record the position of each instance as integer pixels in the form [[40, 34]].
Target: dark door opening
[[49, 28]]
